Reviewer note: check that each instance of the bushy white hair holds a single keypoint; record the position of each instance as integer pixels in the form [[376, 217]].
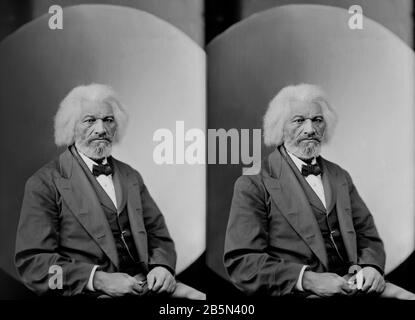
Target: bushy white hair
[[279, 111], [70, 109]]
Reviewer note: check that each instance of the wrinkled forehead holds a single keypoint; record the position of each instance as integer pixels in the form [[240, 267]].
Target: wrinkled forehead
[[307, 109], [96, 108]]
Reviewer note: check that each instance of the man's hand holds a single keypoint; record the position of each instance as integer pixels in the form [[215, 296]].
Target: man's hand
[[159, 280], [116, 284], [326, 284], [369, 280]]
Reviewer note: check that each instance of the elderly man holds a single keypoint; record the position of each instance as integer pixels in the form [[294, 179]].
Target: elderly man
[[88, 217], [300, 226]]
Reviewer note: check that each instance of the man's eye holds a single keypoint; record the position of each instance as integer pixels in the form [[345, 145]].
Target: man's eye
[[89, 120], [299, 120], [318, 120], [109, 120]]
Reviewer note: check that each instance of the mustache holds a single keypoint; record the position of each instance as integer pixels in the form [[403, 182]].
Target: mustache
[[315, 138], [104, 138]]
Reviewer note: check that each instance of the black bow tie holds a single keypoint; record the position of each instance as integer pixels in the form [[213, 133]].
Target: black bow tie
[[308, 169], [99, 169]]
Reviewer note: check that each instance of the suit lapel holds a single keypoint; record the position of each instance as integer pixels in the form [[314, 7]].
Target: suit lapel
[[289, 197], [131, 189], [103, 197], [82, 200], [329, 191], [120, 188], [314, 199], [341, 199], [310, 193]]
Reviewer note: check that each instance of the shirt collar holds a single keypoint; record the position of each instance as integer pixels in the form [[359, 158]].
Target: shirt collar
[[298, 162], [89, 162]]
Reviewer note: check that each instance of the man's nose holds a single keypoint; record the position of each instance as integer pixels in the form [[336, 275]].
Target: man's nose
[[308, 127], [99, 127]]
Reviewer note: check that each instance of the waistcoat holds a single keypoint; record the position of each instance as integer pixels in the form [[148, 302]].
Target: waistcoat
[[328, 223], [119, 224]]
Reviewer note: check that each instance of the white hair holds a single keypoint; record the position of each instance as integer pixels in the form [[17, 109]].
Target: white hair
[[70, 110], [279, 111]]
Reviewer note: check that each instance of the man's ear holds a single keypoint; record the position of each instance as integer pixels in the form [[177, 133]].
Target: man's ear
[[115, 138], [324, 137], [284, 133]]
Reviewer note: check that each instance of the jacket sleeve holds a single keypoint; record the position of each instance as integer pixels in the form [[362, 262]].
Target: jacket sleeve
[[370, 250], [248, 263], [160, 245], [37, 259]]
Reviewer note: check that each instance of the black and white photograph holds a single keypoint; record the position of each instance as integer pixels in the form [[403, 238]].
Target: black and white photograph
[[202, 158]]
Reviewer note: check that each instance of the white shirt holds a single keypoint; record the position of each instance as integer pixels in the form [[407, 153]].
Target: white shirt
[[105, 181], [108, 186], [316, 184]]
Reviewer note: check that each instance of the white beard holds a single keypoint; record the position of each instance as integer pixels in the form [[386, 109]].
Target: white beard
[[99, 151], [304, 151]]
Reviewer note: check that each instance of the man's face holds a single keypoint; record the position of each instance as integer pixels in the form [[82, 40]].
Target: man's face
[[95, 130], [304, 129]]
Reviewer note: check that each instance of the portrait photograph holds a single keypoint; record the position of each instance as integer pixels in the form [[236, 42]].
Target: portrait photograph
[[207, 157]]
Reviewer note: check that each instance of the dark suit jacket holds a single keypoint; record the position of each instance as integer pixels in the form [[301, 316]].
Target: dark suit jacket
[[62, 223], [272, 231]]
